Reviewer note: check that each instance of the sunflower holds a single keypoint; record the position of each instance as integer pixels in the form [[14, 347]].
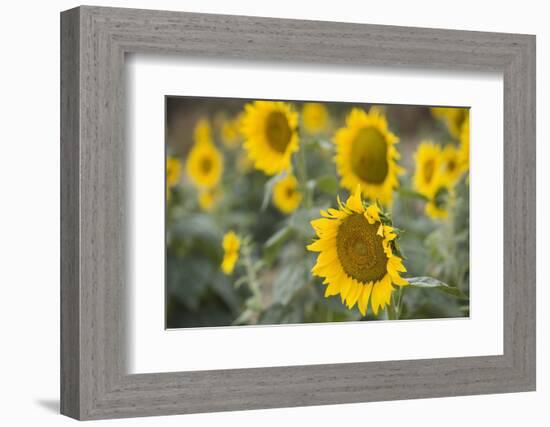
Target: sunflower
[[202, 132], [315, 117], [286, 196], [452, 117], [231, 245], [366, 155], [173, 174], [358, 254], [441, 201], [450, 163], [204, 163], [428, 168], [269, 129], [208, 198], [173, 171], [230, 131]]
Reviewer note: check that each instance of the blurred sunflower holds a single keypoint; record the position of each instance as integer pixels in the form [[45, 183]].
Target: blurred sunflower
[[441, 201], [286, 196], [204, 163], [231, 245], [202, 132], [357, 257], [452, 117], [173, 174], [428, 168], [366, 155], [450, 163], [269, 129], [315, 117], [173, 171], [230, 131], [208, 198]]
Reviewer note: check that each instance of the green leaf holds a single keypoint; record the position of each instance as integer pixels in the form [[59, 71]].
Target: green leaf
[[279, 314], [323, 144], [221, 285], [290, 279], [240, 281], [407, 192], [300, 221], [327, 184], [278, 238], [430, 282], [244, 318], [187, 279], [197, 226], [271, 247]]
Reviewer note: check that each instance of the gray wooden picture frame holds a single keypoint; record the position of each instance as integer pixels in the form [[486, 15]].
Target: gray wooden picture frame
[[94, 42]]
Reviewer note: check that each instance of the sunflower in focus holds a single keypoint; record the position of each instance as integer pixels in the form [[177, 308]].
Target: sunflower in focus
[[366, 155], [231, 245], [428, 168], [450, 163], [286, 196], [204, 163], [441, 201], [270, 136], [452, 117], [208, 198], [230, 131], [358, 254], [315, 117]]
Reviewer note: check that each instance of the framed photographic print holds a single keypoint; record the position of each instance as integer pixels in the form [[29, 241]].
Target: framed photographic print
[[262, 213]]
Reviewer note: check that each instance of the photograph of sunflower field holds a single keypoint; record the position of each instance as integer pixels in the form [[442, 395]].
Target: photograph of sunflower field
[[283, 212]]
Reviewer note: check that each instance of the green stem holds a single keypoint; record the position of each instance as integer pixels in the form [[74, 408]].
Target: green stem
[[391, 310], [400, 301], [302, 171], [252, 277]]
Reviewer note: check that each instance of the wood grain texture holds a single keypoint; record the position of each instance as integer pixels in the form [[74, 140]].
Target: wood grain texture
[[94, 270], [70, 314]]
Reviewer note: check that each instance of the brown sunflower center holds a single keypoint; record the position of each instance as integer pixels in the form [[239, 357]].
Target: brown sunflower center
[[429, 169], [451, 165], [206, 165], [369, 158], [289, 192], [360, 249], [277, 131]]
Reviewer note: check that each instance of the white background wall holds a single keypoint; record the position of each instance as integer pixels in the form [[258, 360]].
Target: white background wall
[[29, 212]]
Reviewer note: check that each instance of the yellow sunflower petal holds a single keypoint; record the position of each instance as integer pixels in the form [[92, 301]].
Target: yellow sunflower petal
[[372, 213], [354, 202], [398, 280], [354, 294], [332, 289], [364, 298], [321, 245]]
